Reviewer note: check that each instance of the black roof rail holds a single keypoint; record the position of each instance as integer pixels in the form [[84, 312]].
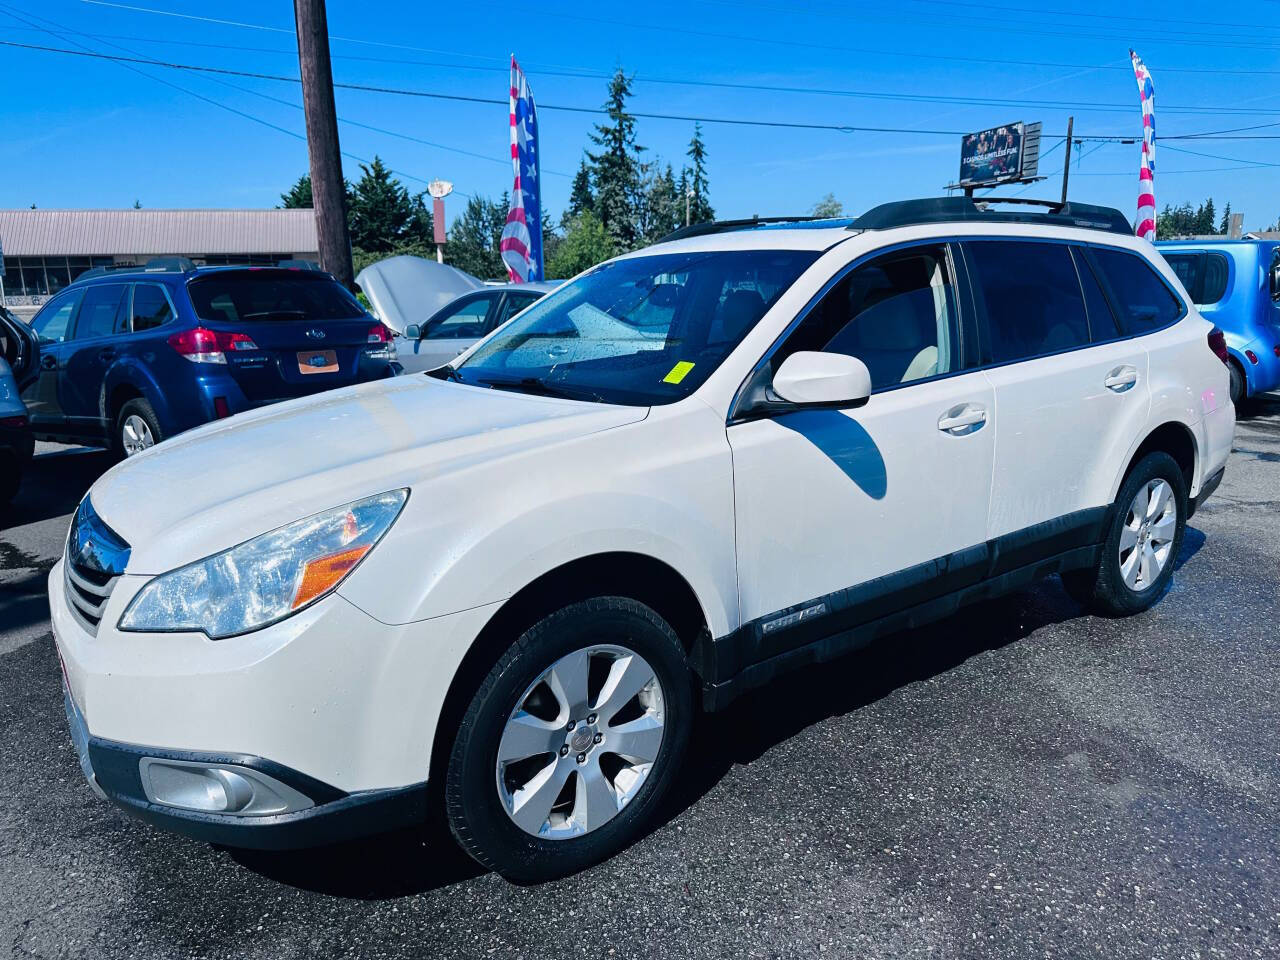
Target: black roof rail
[[169, 265], [725, 226], [902, 213]]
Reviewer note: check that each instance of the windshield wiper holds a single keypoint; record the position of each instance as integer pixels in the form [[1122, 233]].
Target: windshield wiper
[[273, 313], [447, 372], [539, 388]]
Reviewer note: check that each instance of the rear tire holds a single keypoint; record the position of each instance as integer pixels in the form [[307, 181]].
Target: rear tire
[[1144, 536], [560, 799], [1237, 384], [137, 429]]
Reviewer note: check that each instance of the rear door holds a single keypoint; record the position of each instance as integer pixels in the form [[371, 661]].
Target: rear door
[[286, 333], [20, 348], [90, 350], [1071, 393], [454, 328], [52, 325]]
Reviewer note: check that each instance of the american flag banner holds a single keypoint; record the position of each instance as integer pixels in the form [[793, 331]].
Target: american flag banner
[[1147, 172], [521, 244]]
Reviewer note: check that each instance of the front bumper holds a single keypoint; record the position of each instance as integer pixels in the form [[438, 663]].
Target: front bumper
[[117, 771]]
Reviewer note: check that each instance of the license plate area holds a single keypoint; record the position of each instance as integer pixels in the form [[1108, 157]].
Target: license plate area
[[317, 361]]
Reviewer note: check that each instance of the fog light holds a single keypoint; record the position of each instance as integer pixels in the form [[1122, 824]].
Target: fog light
[[215, 788]]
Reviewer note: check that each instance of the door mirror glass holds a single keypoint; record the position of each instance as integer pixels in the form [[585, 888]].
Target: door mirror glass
[[412, 332], [810, 378]]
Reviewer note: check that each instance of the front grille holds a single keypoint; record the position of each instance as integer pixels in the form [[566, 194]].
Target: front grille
[[95, 559], [87, 593]]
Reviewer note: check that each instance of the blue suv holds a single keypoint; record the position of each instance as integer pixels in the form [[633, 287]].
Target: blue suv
[[1236, 285], [128, 357]]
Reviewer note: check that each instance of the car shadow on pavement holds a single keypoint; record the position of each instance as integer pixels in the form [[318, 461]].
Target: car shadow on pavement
[[53, 484]]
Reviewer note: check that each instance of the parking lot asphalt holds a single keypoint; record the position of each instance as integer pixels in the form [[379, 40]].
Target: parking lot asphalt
[[1021, 780]]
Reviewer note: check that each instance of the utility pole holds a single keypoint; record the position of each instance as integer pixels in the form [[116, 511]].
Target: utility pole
[[328, 192], [1066, 167]]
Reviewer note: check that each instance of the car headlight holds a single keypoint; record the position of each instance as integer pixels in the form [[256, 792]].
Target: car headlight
[[265, 579]]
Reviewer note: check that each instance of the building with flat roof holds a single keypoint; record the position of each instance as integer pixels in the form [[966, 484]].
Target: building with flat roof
[[44, 250]]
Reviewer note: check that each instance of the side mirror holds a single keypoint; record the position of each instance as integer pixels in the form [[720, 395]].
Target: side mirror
[[1275, 279], [413, 332], [808, 378]]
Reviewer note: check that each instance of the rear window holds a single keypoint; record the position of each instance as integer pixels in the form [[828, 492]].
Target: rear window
[[1143, 299], [256, 297], [1203, 274]]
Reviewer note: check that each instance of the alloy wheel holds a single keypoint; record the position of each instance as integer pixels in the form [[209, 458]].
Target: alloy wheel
[[1146, 539], [581, 742], [135, 435]]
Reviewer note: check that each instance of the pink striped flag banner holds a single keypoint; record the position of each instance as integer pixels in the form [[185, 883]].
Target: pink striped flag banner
[[521, 243], [1147, 172]]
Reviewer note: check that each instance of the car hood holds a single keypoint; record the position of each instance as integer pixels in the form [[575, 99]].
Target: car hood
[[221, 484]]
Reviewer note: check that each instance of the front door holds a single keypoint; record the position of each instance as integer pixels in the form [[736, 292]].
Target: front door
[[451, 331], [92, 348], [847, 515], [51, 325]]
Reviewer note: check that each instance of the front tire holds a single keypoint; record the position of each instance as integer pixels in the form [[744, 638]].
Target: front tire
[[571, 741], [1236, 384], [1144, 536]]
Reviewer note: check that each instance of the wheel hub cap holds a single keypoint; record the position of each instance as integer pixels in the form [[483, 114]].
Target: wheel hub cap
[[580, 742], [1146, 539]]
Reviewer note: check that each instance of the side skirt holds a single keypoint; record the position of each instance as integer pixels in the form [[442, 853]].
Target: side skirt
[[828, 627]]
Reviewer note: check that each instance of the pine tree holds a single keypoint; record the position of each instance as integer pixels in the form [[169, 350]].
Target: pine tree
[[663, 208], [828, 206], [616, 169], [380, 211], [700, 210], [580, 196], [474, 238], [1207, 221], [299, 195], [1225, 227]]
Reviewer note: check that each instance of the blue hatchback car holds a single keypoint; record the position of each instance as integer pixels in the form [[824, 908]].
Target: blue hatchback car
[[128, 357], [1236, 285]]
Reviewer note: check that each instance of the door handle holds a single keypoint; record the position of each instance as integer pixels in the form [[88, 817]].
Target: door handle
[[48, 362], [1121, 378], [959, 419]]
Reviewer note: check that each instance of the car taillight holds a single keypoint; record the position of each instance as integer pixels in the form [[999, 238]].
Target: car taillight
[[13, 422], [380, 333], [1276, 349], [1253, 357], [1218, 344], [201, 345]]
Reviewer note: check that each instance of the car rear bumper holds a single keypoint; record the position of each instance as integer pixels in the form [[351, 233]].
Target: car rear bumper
[[119, 772], [18, 442]]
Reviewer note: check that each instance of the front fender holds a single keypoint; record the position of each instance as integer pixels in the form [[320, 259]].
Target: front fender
[[661, 489]]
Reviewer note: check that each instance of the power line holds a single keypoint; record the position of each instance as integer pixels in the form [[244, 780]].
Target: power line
[[687, 118], [903, 53], [1140, 21], [127, 63], [751, 87]]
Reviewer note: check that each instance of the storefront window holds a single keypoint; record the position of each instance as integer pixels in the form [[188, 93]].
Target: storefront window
[[57, 273]]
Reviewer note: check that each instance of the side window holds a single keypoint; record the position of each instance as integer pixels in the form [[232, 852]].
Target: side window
[[1102, 321], [515, 303], [1187, 268], [52, 323], [1031, 295], [1144, 301], [463, 320], [151, 307], [1216, 273], [895, 313], [99, 311], [1275, 277]]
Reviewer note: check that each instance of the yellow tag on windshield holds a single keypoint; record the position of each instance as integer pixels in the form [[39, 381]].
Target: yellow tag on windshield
[[678, 372]]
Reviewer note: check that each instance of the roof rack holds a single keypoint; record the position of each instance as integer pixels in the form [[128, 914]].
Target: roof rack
[[155, 265], [902, 213], [725, 226]]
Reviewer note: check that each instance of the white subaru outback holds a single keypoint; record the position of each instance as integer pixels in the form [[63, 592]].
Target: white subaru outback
[[508, 585]]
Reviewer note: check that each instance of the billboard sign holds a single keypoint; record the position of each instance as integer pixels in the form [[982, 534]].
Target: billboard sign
[[1001, 154]]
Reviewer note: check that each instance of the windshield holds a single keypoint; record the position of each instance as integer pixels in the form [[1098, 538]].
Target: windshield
[[236, 296], [640, 331]]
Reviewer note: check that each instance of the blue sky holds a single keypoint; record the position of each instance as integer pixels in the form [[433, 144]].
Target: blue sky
[[91, 133]]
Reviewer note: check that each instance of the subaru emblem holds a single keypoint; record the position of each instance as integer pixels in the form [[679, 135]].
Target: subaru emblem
[[315, 333]]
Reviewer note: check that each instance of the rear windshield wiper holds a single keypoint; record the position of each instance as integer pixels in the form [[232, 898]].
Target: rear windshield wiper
[[273, 313], [540, 388]]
